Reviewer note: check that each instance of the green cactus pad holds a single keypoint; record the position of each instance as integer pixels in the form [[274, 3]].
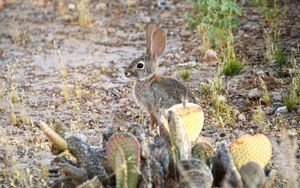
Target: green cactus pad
[[192, 118], [248, 148], [127, 145]]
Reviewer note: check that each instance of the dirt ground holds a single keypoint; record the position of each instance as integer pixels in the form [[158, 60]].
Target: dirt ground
[[38, 47]]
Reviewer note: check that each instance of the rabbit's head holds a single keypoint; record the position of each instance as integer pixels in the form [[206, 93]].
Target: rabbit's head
[[145, 66]]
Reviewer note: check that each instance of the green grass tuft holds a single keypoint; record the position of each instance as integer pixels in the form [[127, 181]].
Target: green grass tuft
[[280, 58], [290, 101], [232, 66], [185, 74]]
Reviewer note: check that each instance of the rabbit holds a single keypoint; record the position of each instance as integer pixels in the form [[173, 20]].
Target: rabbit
[[151, 90]]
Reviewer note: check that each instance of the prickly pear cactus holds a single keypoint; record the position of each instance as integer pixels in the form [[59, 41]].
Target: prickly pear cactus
[[248, 148], [194, 173], [87, 158], [120, 168], [93, 183], [123, 152], [178, 139], [203, 151], [252, 174], [192, 118], [58, 142]]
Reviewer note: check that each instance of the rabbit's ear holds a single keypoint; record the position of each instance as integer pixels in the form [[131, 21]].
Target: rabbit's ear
[[151, 28], [158, 43]]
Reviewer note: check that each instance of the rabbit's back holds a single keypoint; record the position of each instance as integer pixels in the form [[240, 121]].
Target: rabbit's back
[[161, 92]]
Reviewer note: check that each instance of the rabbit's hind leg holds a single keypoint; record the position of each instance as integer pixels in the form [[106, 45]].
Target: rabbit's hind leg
[[153, 121]]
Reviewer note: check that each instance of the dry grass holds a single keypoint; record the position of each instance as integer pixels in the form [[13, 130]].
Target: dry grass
[[84, 13], [61, 6]]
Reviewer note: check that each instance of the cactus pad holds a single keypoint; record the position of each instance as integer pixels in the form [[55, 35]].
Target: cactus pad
[[58, 142], [203, 151], [127, 145], [192, 118], [248, 148], [194, 173]]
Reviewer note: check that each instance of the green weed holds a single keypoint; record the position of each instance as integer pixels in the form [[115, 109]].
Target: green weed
[[205, 89], [258, 115], [232, 66], [213, 18], [271, 11], [185, 74], [290, 101], [292, 98], [280, 58]]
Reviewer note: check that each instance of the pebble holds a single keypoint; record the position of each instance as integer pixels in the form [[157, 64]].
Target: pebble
[[254, 93], [131, 2], [101, 6], [188, 64], [295, 33], [145, 19], [210, 56], [241, 117], [269, 110], [162, 4], [237, 133], [81, 136], [276, 96], [292, 132], [71, 6], [166, 15], [67, 18], [281, 110], [185, 33], [260, 73]]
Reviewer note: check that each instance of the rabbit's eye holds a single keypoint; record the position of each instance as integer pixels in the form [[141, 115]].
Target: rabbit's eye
[[140, 65]]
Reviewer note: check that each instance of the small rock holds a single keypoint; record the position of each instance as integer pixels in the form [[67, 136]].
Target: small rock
[[281, 110], [185, 33], [241, 117], [71, 6], [163, 4], [67, 18], [210, 56], [292, 132], [260, 73], [188, 64], [81, 136], [276, 96], [196, 51], [254, 93], [295, 33], [101, 6], [237, 133], [144, 18], [166, 15], [131, 2], [269, 110], [223, 134]]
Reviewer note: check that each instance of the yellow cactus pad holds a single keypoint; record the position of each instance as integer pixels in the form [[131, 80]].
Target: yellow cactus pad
[[248, 148], [192, 117]]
